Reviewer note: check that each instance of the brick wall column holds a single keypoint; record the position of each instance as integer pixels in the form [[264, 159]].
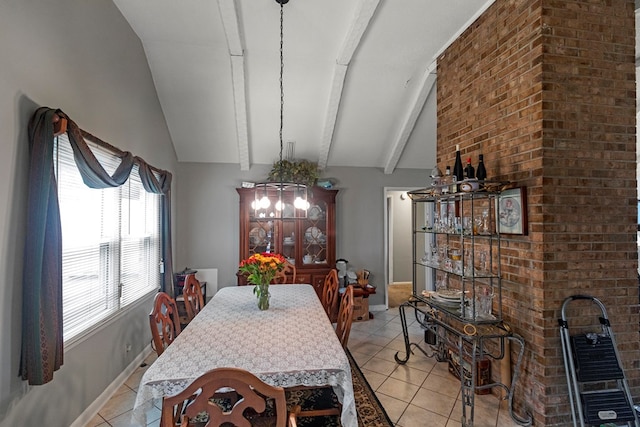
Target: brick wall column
[[546, 91]]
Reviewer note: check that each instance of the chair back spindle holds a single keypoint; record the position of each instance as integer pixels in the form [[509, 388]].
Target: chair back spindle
[[164, 322], [193, 299], [286, 275], [330, 291], [345, 316]]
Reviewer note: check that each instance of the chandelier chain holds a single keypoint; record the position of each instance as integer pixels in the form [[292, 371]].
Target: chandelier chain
[[281, 84]]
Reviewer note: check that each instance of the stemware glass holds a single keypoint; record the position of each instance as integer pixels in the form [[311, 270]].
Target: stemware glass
[[482, 264], [434, 255], [485, 221], [467, 225], [477, 225]]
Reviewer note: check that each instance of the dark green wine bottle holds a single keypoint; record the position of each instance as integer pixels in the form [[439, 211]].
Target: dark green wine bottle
[[469, 171], [458, 172], [481, 172]]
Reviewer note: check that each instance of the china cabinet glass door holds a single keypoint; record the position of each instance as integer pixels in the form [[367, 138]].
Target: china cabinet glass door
[[314, 229]]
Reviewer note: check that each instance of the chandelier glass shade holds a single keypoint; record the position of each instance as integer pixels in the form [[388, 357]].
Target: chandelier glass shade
[[280, 200]]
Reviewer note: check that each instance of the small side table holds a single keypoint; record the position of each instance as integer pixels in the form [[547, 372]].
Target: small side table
[[361, 301]]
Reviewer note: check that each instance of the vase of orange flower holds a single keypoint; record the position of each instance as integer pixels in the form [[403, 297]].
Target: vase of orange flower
[[261, 269]]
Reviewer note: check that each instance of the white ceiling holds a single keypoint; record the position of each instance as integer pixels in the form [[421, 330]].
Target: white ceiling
[[359, 76]]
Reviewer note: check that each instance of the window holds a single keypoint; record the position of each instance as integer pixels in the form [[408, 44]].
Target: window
[[110, 242]]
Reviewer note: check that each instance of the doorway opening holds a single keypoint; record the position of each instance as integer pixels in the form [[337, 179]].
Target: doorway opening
[[398, 251]]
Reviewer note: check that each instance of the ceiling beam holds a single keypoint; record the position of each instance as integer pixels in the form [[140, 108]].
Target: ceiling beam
[[359, 24], [424, 87], [361, 19], [229, 17], [231, 28], [339, 73], [240, 107]]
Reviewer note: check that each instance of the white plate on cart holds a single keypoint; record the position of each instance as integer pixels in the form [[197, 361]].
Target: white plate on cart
[[445, 302], [449, 294]]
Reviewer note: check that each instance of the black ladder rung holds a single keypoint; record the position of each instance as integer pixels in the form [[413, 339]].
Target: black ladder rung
[[595, 361], [606, 406]]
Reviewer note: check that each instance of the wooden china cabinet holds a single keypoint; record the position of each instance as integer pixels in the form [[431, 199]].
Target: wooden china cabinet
[[308, 242]]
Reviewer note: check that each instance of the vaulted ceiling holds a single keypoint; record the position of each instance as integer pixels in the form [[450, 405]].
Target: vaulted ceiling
[[359, 77]]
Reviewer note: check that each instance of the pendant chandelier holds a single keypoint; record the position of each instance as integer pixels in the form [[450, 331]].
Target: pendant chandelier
[[290, 198]]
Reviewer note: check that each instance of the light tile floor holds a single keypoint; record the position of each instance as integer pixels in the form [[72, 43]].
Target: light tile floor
[[421, 393]]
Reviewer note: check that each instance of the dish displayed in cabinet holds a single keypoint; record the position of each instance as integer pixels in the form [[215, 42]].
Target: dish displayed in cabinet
[[314, 213], [257, 236], [314, 235]]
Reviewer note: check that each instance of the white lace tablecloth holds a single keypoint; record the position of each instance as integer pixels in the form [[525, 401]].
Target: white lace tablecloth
[[291, 344]]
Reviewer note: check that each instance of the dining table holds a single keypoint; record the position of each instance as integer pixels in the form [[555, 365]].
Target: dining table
[[291, 344]]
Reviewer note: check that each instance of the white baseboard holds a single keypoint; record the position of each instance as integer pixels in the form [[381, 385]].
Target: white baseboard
[[93, 409]]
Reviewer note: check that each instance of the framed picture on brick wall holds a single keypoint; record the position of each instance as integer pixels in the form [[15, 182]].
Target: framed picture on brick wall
[[511, 211]]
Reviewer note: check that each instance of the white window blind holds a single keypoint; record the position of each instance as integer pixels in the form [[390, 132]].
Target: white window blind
[[110, 242]]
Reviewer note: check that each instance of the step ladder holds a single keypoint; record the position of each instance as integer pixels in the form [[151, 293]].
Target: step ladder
[[598, 389]]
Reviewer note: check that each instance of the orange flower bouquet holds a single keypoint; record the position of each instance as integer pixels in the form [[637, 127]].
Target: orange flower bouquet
[[261, 269]]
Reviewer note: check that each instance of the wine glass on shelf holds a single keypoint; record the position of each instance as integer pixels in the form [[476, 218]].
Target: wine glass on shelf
[[468, 262], [467, 225], [434, 255], [442, 254], [485, 221], [477, 224], [484, 301], [482, 264]]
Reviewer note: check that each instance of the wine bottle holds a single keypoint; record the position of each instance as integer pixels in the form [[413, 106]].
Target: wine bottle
[[458, 172], [469, 171], [481, 172], [446, 180]]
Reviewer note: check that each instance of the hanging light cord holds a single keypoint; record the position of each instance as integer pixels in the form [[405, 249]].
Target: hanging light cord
[[281, 85]]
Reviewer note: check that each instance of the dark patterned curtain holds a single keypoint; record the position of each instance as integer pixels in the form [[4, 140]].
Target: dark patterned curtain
[[42, 339]]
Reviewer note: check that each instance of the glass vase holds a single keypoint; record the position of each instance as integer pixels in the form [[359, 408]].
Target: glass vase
[[263, 296]]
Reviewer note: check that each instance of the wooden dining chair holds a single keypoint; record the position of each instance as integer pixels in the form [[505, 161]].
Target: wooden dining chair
[[328, 405], [330, 291], [258, 403], [193, 299], [345, 316], [286, 275], [164, 322]]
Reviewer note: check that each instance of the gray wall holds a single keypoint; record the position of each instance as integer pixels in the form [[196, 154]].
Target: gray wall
[[81, 57], [208, 223]]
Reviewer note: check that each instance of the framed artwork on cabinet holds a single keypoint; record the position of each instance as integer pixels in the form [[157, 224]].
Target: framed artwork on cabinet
[[512, 211]]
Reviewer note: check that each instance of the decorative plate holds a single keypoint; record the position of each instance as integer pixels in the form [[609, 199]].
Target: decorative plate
[[313, 235], [314, 213], [445, 301], [257, 236], [449, 294]]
